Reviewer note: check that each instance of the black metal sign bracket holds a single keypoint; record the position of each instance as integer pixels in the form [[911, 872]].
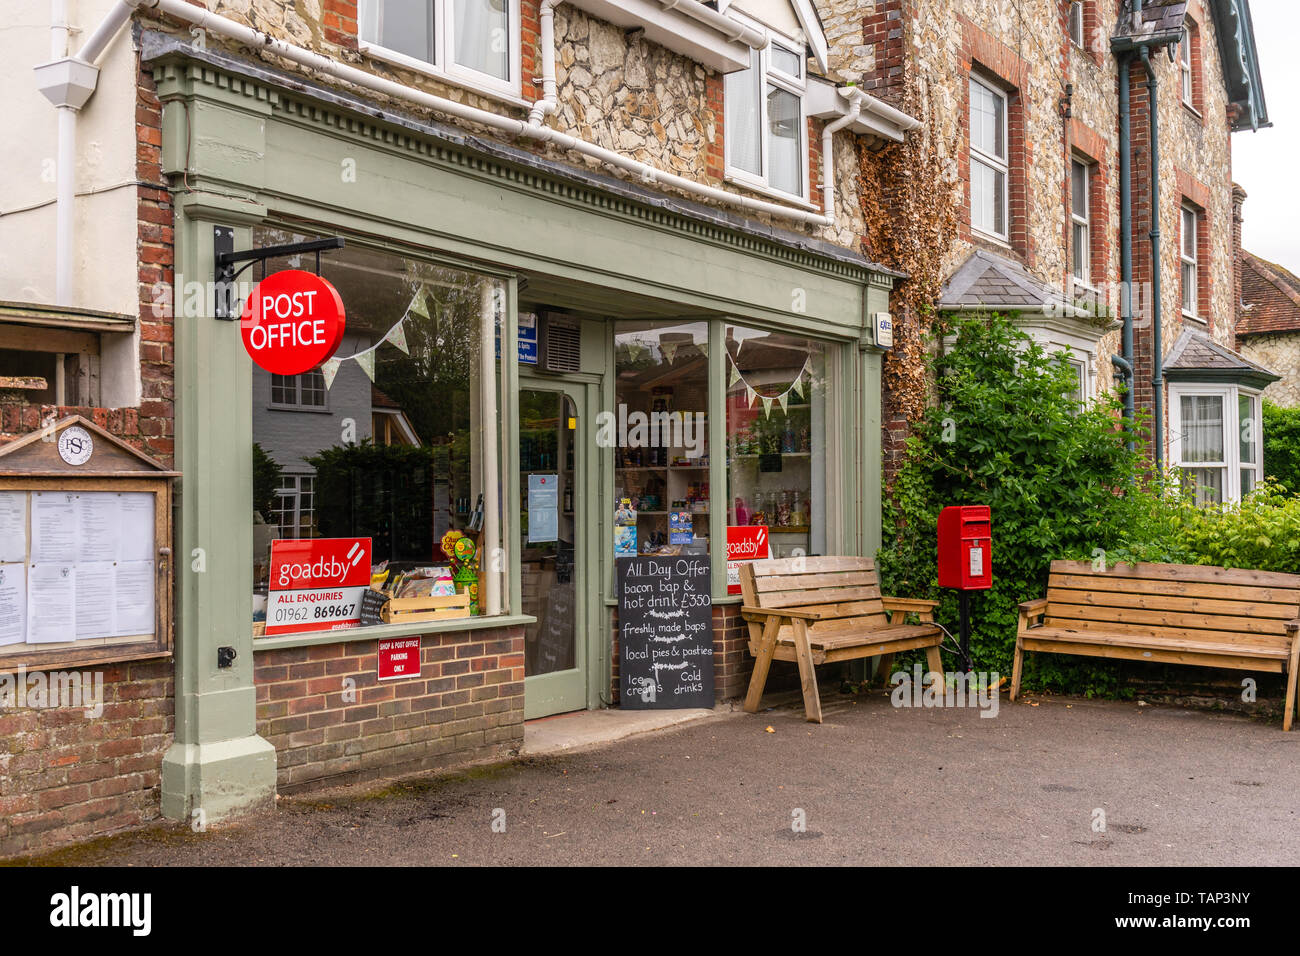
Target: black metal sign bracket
[[225, 273]]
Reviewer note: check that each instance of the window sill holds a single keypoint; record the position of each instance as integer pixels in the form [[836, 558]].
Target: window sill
[[393, 58], [386, 631], [1194, 111], [1196, 318], [1002, 242], [789, 199], [314, 409]]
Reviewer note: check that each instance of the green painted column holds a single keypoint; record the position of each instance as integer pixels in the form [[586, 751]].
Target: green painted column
[[217, 764]]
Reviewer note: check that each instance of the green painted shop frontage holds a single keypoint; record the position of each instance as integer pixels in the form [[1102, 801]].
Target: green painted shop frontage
[[546, 363]]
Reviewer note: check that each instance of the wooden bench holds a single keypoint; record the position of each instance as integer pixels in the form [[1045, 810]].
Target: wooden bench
[[1167, 613], [820, 610]]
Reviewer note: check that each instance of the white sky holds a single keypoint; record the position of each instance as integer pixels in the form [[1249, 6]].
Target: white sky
[[1265, 162]]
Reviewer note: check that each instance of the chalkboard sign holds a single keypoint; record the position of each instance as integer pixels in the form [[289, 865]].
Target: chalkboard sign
[[665, 623], [372, 602]]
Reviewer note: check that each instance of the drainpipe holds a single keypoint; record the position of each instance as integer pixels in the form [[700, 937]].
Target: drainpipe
[[550, 91], [1125, 364], [1157, 347]]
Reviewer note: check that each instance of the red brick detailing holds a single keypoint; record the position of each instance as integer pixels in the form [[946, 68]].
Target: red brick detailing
[[882, 30], [815, 184], [717, 157], [66, 777], [1193, 21], [1095, 32], [339, 20], [1140, 151], [329, 717], [530, 71], [981, 53]]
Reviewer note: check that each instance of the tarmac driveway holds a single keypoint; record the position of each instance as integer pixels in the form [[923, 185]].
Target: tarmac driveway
[[873, 784]]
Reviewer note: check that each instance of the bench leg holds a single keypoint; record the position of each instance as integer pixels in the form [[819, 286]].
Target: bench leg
[[934, 663], [1016, 669], [762, 664], [1294, 665], [882, 671], [812, 703]]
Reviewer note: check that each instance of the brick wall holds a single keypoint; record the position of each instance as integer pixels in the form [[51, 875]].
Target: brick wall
[[331, 719], [66, 777]]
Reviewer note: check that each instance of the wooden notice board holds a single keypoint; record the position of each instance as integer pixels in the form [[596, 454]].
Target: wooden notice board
[[85, 550]]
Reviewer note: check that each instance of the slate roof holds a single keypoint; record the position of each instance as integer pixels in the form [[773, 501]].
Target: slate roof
[[1270, 298], [1161, 21], [1196, 357], [988, 281]]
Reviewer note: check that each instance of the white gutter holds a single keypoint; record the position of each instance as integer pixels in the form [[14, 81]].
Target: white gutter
[[854, 97], [732, 29]]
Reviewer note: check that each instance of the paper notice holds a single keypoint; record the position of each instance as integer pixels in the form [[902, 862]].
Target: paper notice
[[100, 528], [55, 528], [13, 604], [134, 603], [51, 603], [96, 603], [13, 526], [136, 522]]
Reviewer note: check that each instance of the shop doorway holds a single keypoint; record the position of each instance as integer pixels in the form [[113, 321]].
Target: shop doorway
[[553, 568]]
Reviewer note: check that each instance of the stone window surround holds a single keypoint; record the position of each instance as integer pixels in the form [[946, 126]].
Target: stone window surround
[[1232, 464], [984, 55], [444, 68], [798, 87]]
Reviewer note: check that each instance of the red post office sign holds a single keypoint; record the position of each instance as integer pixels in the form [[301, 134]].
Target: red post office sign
[[316, 584], [745, 542], [399, 658], [292, 321]]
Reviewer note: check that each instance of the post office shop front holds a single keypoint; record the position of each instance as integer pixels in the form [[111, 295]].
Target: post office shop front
[[542, 367]]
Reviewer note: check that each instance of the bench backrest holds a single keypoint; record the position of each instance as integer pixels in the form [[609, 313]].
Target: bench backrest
[[1198, 602], [848, 582]]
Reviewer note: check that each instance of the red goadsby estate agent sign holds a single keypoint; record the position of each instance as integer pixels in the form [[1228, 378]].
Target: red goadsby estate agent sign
[[292, 321], [316, 584]]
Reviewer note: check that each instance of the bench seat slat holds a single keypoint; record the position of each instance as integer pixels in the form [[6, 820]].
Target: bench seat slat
[[1154, 642], [1281, 611], [1137, 631], [1104, 583], [1239, 623]]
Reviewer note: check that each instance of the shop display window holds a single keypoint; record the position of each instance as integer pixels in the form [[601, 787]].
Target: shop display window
[[660, 437], [777, 386], [412, 354]]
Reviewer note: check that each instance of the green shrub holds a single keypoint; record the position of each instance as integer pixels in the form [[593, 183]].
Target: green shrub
[[1282, 445], [1060, 481]]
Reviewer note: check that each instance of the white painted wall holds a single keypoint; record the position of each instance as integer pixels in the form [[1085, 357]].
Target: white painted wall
[[105, 256]]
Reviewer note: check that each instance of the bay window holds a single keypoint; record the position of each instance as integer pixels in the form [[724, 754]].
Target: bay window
[[472, 42], [1215, 440], [988, 159], [766, 139]]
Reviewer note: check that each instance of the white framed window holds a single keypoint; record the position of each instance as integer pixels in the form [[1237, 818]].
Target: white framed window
[[474, 43], [295, 507], [1076, 24], [1080, 222], [989, 204], [1214, 439], [1190, 224], [298, 391], [766, 126], [1185, 65]]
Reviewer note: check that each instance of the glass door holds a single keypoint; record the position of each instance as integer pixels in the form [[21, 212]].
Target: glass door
[[552, 568]]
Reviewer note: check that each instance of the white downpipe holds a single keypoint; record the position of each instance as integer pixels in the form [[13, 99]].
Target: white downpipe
[[550, 91], [113, 21], [488, 423], [65, 205], [854, 97]]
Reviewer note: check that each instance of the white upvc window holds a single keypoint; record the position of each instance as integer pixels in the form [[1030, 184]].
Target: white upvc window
[[1185, 65], [1076, 24], [1080, 222], [295, 507], [989, 202], [1214, 439], [298, 391], [473, 43], [766, 125], [1189, 226]]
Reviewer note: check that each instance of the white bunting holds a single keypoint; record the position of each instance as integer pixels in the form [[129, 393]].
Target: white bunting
[[733, 376], [750, 394], [397, 335], [418, 305], [669, 349], [703, 347], [366, 360], [328, 369], [767, 407], [783, 398]]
